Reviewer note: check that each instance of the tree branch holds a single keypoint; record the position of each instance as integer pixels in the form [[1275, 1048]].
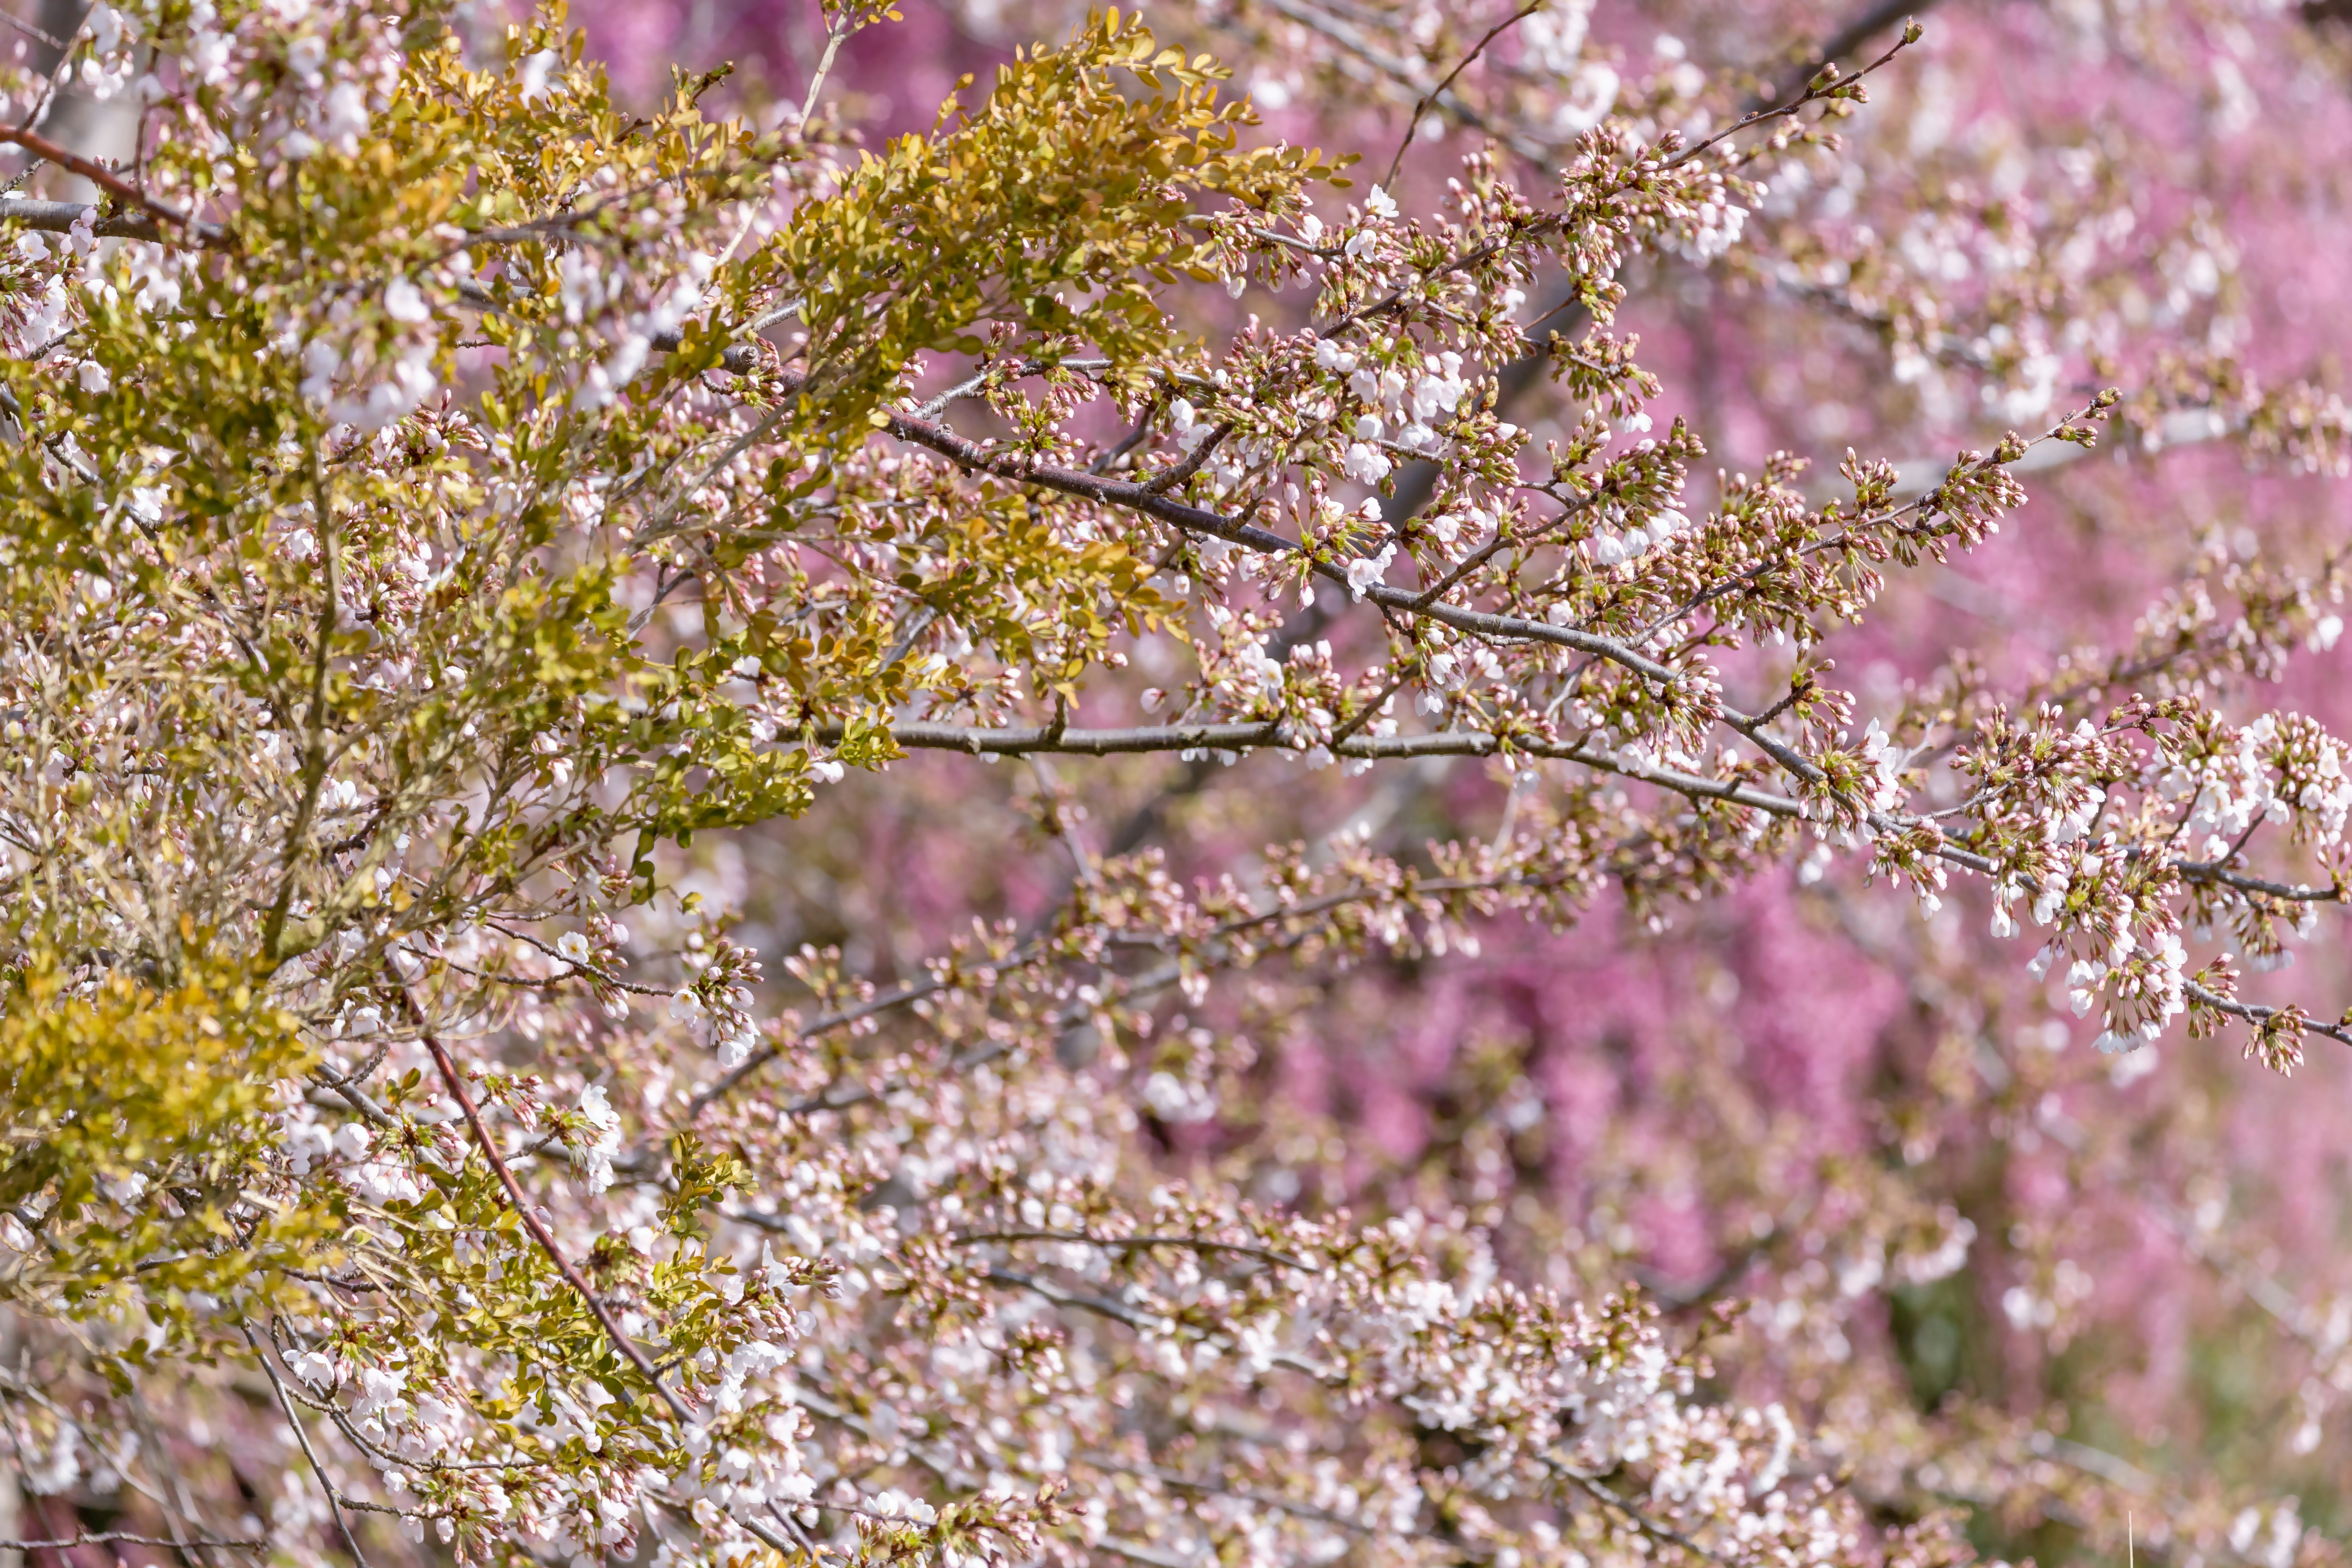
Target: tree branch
[[1864, 26], [1412, 121], [1136, 1244], [303, 1436], [106, 179], [103, 1537], [531, 1222]]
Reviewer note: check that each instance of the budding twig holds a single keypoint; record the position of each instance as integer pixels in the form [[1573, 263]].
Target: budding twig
[[1412, 120]]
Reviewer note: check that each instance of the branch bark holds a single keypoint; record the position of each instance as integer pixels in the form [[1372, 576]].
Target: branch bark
[[538, 1229]]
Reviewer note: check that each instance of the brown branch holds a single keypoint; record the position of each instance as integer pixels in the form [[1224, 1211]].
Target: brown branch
[[1406, 76], [571, 1275], [107, 180], [1820, 86], [1417, 483], [102, 1537], [975, 457], [872, 1006], [1010, 742], [58, 217], [2216, 871], [1635, 1516], [530, 1220], [335, 1499], [1136, 1244], [1345, 734], [2258, 1014]]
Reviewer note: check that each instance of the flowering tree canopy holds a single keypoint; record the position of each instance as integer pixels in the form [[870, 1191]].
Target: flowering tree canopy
[[442, 502]]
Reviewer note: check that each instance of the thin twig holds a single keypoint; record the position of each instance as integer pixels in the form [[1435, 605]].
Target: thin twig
[[845, 22], [1874, 20], [1815, 90], [538, 1232], [1640, 1521], [1413, 123], [2259, 1015], [303, 1436]]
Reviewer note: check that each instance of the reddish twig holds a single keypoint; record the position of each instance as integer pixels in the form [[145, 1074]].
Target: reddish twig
[[99, 175], [571, 1277], [540, 1232]]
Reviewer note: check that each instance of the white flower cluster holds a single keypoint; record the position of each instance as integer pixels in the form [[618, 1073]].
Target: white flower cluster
[[2279, 767], [1616, 545]]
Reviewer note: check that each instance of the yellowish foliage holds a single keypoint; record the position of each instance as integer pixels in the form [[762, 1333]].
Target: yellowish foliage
[[135, 1119]]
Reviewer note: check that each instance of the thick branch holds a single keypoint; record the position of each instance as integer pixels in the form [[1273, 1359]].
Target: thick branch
[[107, 180], [103, 1537], [58, 217], [1014, 741]]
